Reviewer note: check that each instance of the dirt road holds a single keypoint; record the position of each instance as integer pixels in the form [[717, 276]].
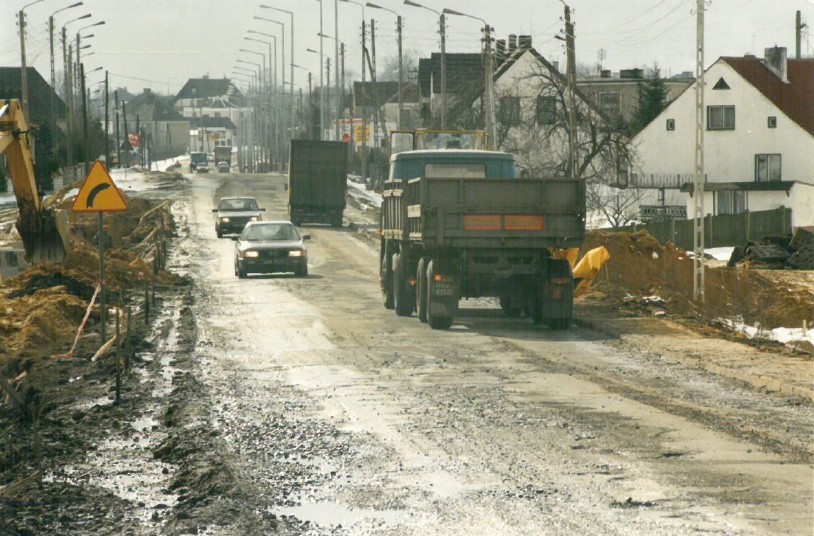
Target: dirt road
[[332, 414], [300, 405]]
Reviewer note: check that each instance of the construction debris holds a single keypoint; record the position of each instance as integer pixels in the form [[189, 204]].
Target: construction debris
[[778, 252]]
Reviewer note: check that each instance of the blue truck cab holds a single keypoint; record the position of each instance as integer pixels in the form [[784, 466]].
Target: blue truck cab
[[448, 163]]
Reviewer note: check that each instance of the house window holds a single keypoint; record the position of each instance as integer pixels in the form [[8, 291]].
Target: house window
[[720, 118], [733, 202], [546, 110], [671, 124], [772, 121], [767, 167], [510, 111], [610, 103]]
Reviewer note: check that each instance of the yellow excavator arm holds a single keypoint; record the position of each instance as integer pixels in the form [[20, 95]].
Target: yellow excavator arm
[[44, 232]]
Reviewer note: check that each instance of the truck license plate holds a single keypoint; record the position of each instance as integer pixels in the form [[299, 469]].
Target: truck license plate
[[443, 289]]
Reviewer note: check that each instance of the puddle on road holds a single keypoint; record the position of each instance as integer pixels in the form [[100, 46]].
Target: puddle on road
[[332, 514]]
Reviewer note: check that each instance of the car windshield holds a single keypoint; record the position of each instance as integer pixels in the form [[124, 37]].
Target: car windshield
[[269, 232], [198, 157], [238, 204]]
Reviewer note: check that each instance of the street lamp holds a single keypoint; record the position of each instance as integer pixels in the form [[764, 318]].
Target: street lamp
[[363, 154], [273, 90], [443, 27], [54, 77], [68, 75], [291, 27], [23, 63], [488, 67], [79, 38], [401, 65], [321, 78]]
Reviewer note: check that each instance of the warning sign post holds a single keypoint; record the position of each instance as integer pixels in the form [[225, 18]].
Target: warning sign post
[[99, 194]]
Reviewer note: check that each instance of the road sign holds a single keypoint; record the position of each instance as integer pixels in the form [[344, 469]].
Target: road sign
[[98, 193]]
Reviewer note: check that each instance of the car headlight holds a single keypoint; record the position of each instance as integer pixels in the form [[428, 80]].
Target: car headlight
[[296, 253], [254, 218], [250, 254], [224, 220]]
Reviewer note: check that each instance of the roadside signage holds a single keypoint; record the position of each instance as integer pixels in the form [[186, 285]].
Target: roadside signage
[[98, 193], [134, 139]]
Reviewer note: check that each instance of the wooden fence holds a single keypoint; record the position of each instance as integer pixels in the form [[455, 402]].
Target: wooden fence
[[719, 231]]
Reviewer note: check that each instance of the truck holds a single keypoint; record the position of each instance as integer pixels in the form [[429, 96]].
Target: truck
[[198, 162], [461, 224], [317, 181], [223, 153]]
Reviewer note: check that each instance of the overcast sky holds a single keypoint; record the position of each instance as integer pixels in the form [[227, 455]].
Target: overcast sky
[[162, 43]]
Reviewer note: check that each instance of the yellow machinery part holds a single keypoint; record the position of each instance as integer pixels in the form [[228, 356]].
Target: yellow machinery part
[[44, 232]]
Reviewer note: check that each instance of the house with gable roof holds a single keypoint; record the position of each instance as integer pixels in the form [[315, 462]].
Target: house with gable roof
[[759, 138]]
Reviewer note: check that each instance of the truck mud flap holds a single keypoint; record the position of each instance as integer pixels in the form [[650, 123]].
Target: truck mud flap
[[558, 291]]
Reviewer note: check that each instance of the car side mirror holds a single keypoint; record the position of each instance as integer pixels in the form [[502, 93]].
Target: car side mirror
[[235, 238], [306, 237], [214, 210], [262, 209]]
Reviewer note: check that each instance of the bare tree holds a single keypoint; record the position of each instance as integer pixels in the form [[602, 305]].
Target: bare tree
[[533, 123]]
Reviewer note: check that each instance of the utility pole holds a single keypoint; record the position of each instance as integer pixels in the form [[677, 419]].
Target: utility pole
[[84, 118], [328, 70], [489, 85], [342, 74], [69, 90], [798, 31], [107, 120], [338, 114], [364, 102], [53, 89], [321, 81], [373, 80], [126, 134], [401, 70], [118, 139], [23, 66], [443, 22], [310, 108], [698, 179], [572, 81]]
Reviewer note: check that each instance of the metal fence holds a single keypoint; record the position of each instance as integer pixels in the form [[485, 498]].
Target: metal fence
[[719, 231]]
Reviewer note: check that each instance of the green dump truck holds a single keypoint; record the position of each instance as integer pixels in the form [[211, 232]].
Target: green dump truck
[[317, 181], [461, 224]]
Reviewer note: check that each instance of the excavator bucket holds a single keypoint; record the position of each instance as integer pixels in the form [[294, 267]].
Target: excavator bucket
[[46, 238], [44, 232]]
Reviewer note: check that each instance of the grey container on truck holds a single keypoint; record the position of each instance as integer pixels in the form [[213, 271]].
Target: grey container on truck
[[317, 181], [467, 236]]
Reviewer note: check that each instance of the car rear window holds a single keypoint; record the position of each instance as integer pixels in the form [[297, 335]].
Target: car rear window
[[238, 204], [270, 232]]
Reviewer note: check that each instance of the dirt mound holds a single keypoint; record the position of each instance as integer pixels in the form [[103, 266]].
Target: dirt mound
[[640, 266]]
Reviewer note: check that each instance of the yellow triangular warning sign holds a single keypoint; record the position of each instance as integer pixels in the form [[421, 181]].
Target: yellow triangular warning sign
[[98, 193]]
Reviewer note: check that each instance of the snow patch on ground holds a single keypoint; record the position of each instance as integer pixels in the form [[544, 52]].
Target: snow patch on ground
[[358, 190], [782, 335], [720, 254]]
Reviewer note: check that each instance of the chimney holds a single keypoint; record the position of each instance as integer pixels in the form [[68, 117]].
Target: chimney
[[512, 43], [775, 59], [524, 42], [605, 73], [500, 49], [147, 91], [629, 74]]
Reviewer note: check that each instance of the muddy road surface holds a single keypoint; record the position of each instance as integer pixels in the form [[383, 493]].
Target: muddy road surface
[[306, 407], [287, 405]]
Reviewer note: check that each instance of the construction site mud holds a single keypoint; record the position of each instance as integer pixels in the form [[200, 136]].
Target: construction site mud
[[660, 276]]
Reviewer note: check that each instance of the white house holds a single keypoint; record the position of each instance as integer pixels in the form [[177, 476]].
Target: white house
[[759, 139]]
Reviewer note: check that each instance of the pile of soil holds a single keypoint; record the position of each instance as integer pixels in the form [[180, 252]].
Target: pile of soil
[[640, 266], [41, 308]]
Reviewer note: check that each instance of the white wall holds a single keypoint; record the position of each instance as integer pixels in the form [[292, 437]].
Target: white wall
[[729, 154], [800, 199]]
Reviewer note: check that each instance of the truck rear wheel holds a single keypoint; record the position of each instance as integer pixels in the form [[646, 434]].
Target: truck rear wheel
[[435, 321], [536, 306], [387, 285], [403, 304], [421, 290], [511, 307]]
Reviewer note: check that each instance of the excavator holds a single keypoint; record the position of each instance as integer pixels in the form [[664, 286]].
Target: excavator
[[43, 230]]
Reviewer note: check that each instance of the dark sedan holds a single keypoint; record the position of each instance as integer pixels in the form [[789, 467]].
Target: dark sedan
[[271, 246], [234, 213]]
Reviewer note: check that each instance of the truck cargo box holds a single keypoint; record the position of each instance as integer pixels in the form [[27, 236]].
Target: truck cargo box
[[317, 181]]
